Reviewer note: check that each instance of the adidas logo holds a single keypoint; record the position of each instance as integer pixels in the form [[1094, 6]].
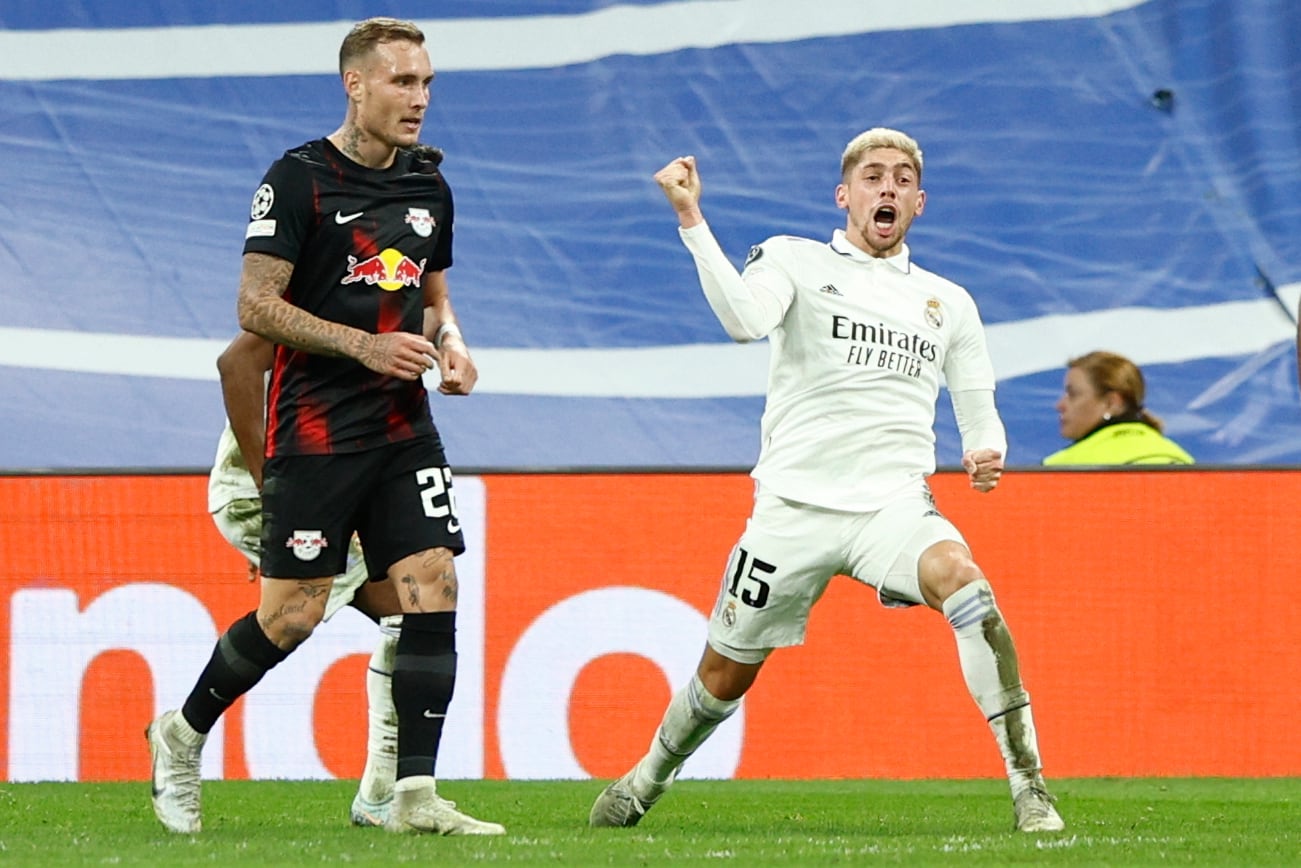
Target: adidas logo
[[829, 289]]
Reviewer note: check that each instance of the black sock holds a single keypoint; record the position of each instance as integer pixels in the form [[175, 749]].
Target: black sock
[[242, 656], [424, 674]]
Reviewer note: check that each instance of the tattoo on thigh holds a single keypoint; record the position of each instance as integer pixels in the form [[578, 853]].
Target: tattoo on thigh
[[448, 577], [412, 588], [279, 614], [308, 591], [438, 564], [441, 563]]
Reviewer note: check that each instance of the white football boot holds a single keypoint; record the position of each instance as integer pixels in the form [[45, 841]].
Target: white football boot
[[1035, 812], [368, 813], [619, 806], [418, 809], [175, 775]]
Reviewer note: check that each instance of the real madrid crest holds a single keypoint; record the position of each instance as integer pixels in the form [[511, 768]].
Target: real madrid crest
[[422, 222], [933, 314]]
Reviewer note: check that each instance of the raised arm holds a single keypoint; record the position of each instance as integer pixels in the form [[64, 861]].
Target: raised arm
[[747, 311], [680, 181]]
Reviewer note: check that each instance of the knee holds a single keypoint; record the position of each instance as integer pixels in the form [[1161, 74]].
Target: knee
[[724, 678], [299, 630], [288, 630], [948, 572], [425, 582], [723, 684], [964, 573]]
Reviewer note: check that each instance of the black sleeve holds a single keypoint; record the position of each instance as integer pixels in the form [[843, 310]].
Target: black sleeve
[[442, 258], [283, 212]]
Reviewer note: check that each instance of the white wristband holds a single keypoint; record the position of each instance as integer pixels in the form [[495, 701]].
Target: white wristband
[[447, 328]]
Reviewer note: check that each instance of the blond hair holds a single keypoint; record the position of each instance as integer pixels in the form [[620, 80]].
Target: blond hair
[[365, 35], [880, 137], [1112, 372]]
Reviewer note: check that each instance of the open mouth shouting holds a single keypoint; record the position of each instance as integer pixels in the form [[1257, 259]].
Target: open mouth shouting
[[884, 219]]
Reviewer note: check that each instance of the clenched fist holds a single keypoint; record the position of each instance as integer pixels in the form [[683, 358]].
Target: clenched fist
[[681, 185]]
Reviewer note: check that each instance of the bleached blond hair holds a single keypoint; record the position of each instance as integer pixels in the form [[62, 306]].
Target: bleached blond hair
[[880, 137]]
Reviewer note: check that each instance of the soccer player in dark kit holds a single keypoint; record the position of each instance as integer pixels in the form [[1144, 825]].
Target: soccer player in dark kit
[[344, 270]]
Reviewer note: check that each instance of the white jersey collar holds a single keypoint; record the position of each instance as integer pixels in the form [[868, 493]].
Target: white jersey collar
[[842, 245]]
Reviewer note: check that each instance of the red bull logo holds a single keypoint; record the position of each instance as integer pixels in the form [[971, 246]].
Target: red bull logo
[[389, 270]]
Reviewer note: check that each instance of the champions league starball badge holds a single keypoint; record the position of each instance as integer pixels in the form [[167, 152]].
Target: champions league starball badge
[[263, 198]]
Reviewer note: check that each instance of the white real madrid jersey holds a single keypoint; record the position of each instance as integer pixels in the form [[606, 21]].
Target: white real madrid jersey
[[229, 478], [858, 348]]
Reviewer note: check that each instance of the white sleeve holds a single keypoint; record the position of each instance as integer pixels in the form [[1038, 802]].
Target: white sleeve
[[966, 362], [978, 420], [747, 309]]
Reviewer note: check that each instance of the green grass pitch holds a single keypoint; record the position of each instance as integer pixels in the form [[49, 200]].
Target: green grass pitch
[[1109, 821]]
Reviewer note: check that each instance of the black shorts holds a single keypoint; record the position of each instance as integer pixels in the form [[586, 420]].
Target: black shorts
[[398, 498]]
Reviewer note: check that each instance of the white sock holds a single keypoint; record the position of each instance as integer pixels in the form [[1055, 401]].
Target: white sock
[[182, 731], [993, 675], [420, 784], [692, 716], [1019, 745], [376, 784]]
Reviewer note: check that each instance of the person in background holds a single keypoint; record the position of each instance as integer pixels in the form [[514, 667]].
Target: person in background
[[1101, 410]]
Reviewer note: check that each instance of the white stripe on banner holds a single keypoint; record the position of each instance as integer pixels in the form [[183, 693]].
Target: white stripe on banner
[[1146, 335], [526, 42]]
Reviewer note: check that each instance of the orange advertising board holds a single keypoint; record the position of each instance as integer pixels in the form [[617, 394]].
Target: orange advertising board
[[1153, 612]]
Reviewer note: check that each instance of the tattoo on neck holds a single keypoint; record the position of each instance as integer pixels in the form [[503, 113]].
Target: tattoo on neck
[[351, 146]]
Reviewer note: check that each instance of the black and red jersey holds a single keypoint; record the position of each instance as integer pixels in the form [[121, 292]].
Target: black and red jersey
[[360, 240]]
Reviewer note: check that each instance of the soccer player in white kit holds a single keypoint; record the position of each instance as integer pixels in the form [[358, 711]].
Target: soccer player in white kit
[[860, 336], [235, 502]]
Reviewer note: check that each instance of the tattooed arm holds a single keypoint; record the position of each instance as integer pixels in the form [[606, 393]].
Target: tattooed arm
[[263, 311]]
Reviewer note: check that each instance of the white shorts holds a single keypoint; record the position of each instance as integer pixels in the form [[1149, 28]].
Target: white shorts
[[790, 551], [240, 522]]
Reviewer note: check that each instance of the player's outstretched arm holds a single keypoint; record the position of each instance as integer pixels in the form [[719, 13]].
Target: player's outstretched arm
[[745, 313]]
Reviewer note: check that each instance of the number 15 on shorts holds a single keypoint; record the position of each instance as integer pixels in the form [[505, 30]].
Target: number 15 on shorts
[[747, 583]]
